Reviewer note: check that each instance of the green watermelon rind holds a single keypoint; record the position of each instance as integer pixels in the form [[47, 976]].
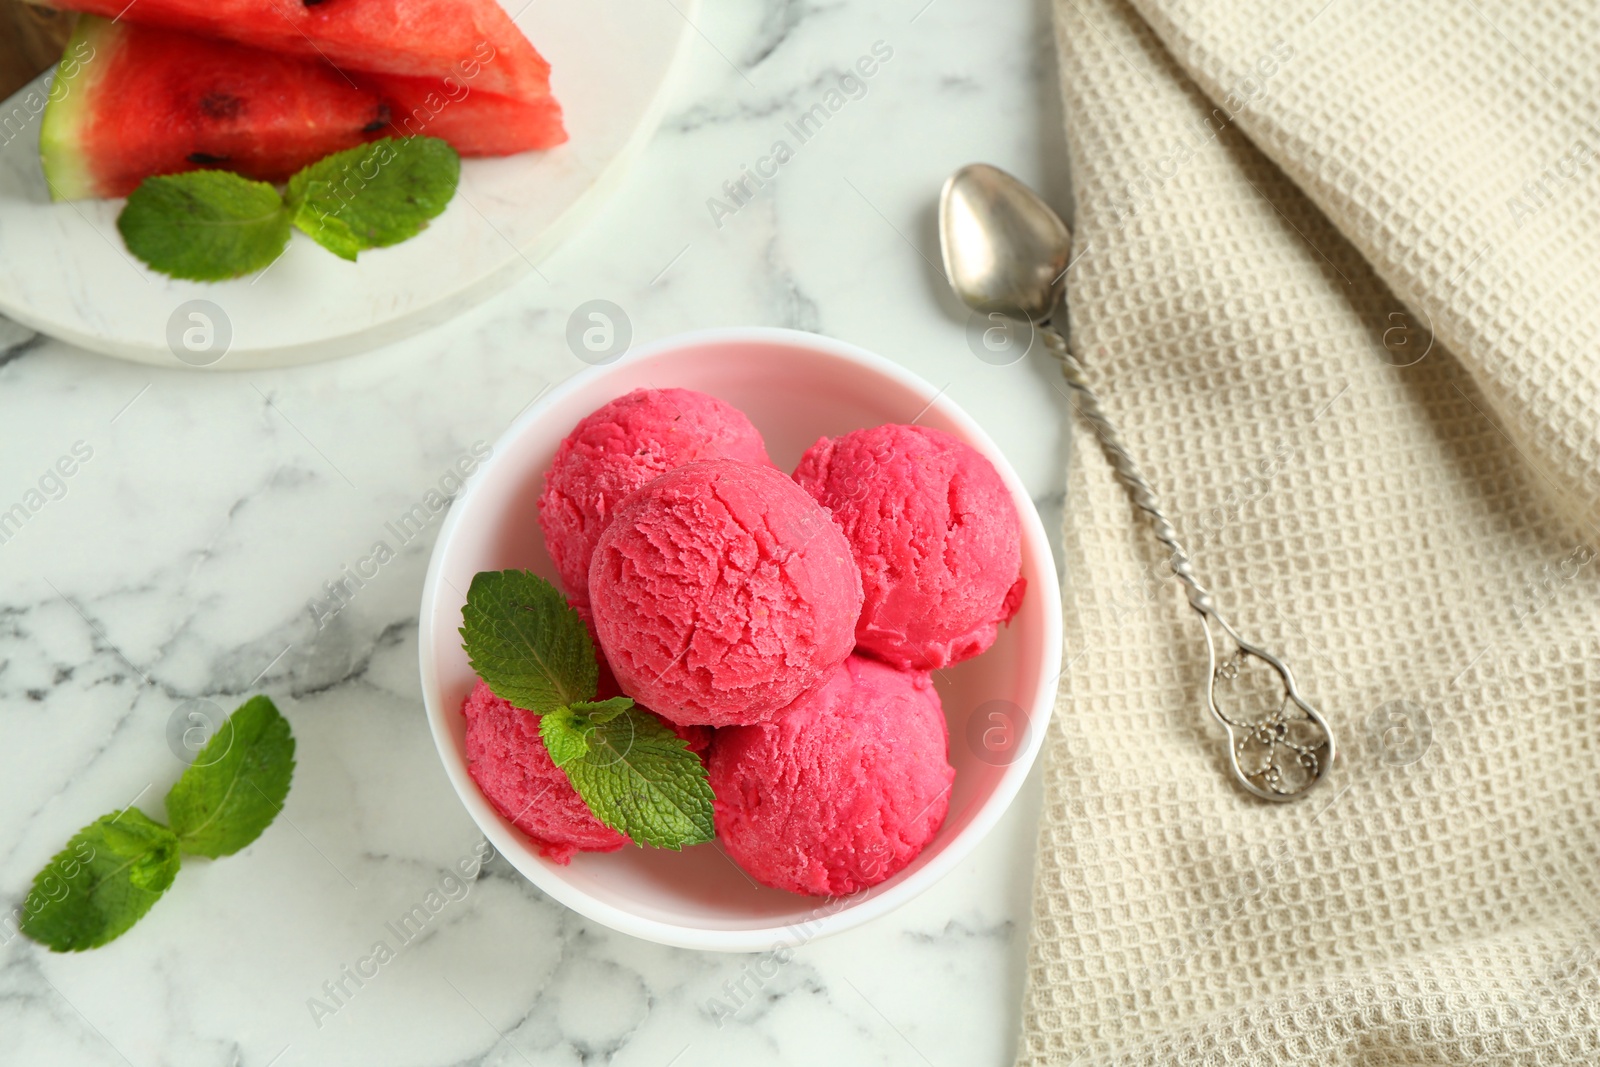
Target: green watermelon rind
[[66, 115]]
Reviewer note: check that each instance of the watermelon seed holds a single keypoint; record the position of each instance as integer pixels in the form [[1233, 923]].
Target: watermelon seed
[[383, 114]]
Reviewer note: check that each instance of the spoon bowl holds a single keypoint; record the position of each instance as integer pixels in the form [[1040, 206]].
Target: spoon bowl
[[1004, 249]]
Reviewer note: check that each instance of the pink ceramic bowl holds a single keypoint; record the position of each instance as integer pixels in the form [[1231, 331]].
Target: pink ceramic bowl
[[795, 387]]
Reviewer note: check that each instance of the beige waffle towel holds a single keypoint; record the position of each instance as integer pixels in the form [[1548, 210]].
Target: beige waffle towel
[[1339, 279]]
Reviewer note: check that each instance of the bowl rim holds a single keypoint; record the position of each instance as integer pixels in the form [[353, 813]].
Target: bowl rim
[[831, 915]]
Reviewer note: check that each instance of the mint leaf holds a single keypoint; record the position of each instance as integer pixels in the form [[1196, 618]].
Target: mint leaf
[[237, 784], [103, 882], [636, 775], [564, 736], [327, 229], [527, 645], [602, 710], [374, 195], [205, 225], [566, 730]]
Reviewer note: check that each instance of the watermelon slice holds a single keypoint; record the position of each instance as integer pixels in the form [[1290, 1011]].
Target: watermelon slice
[[475, 123], [152, 101], [473, 40], [149, 101]]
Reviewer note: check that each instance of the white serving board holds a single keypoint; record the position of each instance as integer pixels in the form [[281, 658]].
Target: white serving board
[[65, 272]]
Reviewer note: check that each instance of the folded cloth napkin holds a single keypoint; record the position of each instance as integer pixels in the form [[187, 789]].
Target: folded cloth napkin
[[1338, 278]]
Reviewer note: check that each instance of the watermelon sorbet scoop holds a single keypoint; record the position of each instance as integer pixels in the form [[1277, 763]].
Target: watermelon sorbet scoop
[[618, 448], [720, 592], [842, 789], [935, 534], [507, 758], [696, 738]]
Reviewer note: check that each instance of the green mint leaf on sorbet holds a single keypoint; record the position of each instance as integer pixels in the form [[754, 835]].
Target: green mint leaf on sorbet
[[237, 783], [599, 711], [566, 730], [634, 773], [205, 225], [103, 882], [565, 737], [526, 644], [375, 195]]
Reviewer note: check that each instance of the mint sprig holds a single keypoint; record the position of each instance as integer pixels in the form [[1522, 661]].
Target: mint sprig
[[212, 225], [634, 774], [117, 867]]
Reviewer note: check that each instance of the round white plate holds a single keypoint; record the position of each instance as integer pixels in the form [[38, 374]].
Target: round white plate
[[65, 272]]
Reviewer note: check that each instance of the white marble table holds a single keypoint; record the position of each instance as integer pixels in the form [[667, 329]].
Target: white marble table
[[183, 558]]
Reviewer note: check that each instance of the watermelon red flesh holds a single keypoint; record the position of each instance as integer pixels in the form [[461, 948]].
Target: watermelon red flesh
[[475, 123], [471, 39], [153, 101]]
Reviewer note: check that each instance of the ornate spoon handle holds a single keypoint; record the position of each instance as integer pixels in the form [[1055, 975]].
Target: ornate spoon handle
[[1282, 748]]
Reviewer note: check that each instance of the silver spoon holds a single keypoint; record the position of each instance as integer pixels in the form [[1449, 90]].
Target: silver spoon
[[1005, 251]]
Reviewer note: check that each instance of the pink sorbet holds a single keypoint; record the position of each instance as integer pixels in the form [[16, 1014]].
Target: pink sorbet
[[698, 738], [935, 534], [842, 789], [507, 758], [721, 592], [618, 448]]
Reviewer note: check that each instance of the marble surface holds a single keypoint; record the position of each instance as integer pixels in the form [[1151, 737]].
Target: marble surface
[[187, 556]]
